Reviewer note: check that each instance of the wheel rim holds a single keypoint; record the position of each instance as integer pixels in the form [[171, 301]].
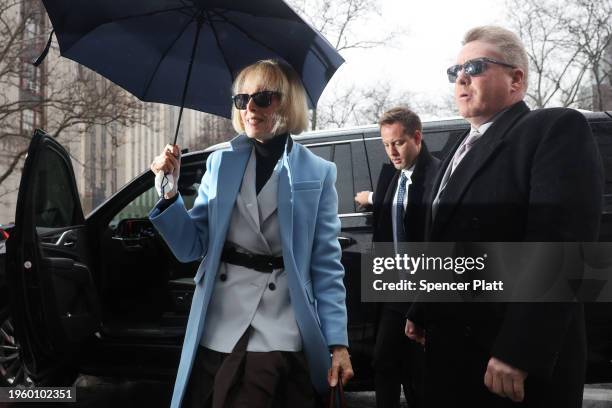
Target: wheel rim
[[12, 371]]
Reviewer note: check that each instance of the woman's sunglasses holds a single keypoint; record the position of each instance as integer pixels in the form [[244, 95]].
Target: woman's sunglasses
[[473, 67], [262, 99]]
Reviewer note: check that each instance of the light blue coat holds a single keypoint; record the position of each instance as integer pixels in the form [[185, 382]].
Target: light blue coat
[[309, 227]]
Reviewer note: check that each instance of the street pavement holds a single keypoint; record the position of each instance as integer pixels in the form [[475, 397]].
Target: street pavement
[[96, 392]]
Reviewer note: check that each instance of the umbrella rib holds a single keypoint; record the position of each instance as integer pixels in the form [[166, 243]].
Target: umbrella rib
[[166, 51], [228, 21], [214, 30], [187, 6], [151, 13]]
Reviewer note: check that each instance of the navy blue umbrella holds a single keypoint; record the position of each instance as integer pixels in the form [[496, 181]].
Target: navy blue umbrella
[[187, 52]]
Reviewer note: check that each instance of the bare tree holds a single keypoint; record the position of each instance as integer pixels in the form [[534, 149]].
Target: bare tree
[[342, 23], [589, 24], [434, 108], [381, 98], [339, 110], [352, 105], [338, 21], [212, 129], [565, 43], [57, 96]]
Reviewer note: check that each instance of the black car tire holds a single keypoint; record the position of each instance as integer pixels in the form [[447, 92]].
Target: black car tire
[[12, 369], [13, 372]]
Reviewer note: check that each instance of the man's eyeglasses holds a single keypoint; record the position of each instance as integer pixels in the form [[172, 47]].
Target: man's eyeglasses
[[473, 67], [262, 99]]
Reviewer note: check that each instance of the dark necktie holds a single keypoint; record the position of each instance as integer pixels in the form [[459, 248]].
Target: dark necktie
[[400, 234]]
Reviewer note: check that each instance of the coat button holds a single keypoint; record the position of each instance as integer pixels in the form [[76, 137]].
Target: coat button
[[223, 277], [272, 286], [467, 331]]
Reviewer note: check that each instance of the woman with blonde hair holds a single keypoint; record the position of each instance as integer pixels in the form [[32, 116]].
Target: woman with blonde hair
[[269, 304]]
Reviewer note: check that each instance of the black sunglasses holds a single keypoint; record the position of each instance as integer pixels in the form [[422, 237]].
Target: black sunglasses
[[262, 99], [473, 67]]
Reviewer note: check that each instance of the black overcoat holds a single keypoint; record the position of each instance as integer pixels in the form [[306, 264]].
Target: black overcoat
[[534, 176]]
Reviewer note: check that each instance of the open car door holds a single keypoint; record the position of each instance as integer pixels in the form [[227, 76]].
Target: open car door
[[53, 297]]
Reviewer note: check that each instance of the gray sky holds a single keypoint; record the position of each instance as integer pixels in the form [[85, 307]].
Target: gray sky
[[418, 63]]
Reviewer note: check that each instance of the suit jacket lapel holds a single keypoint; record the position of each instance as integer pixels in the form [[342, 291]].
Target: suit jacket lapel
[[436, 185], [268, 195], [416, 192], [388, 200], [473, 161], [247, 199], [231, 171], [417, 186]]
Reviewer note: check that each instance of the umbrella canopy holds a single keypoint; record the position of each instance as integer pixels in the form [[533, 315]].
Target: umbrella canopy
[[187, 52]]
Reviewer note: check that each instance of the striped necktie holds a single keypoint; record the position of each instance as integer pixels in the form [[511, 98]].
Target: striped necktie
[[459, 155], [464, 148]]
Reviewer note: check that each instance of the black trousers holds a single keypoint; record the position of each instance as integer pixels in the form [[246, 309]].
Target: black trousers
[[398, 363], [244, 379]]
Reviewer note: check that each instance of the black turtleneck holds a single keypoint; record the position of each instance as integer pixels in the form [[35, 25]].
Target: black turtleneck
[[267, 155]]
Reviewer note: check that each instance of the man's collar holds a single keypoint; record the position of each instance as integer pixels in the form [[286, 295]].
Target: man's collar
[[408, 172], [483, 128]]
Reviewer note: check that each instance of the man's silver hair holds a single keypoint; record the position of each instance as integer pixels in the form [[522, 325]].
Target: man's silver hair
[[509, 45]]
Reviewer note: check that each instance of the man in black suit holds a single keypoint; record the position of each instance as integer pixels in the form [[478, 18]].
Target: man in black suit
[[518, 175], [399, 212]]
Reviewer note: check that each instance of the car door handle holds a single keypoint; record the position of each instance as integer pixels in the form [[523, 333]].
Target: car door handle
[[346, 242]]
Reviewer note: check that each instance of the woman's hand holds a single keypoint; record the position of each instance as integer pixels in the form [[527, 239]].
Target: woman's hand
[[415, 332], [341, 365], [168, 162]]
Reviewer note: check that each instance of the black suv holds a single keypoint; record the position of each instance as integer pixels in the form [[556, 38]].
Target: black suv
[[103, 294]]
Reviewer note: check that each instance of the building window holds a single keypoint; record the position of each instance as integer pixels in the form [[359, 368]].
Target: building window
[[28, 120], [31, 82], [31, 29]]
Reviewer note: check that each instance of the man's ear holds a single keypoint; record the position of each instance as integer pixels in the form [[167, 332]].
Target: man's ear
[[418, 136], [518, 80]]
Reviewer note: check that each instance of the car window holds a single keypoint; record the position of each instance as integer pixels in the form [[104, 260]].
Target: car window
[[322, 151], [341, 156], [362, 173], [376, 156], [603, 135], [436, 141], [54, 200], [139, 207]]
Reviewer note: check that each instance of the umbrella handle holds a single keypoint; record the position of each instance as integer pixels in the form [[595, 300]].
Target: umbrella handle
[[164, 182]]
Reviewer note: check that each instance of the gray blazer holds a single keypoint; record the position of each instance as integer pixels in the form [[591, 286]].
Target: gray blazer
[[246, 297]]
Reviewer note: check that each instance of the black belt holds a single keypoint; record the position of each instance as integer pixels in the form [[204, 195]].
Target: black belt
[[260, 263]]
